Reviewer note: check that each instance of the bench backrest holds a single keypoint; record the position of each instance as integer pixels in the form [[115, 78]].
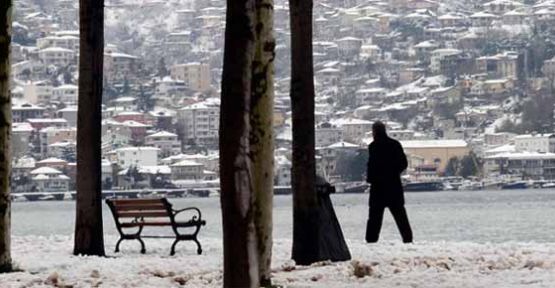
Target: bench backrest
[[140, 208]]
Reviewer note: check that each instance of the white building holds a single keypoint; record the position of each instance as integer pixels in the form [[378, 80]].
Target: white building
[[535, 143], [327, 134], [22, 112], [65, 93], [529, 165], [438, 55], [370, 95], [70, 114], [57, 56], [66, 41], [196, 75], [120, 66], [137, 156], [46, 179], [187, 170], [51, 135], [282, 171], [37, 92], [200, 122], [353, 129], [165, 141]]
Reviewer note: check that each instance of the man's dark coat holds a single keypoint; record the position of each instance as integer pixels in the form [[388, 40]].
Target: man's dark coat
[[386, 162]]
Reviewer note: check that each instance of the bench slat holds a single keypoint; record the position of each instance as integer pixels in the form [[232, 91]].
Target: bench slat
[[139, 207], [178, 224], [134, 214], [136, 201]]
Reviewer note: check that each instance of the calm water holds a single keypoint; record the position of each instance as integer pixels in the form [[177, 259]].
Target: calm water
[[480, 216]]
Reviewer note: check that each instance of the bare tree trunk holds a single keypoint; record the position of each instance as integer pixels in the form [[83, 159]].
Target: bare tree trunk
[[237, 199], [261, 135], [89, 239], [305, 202], [5, 134]]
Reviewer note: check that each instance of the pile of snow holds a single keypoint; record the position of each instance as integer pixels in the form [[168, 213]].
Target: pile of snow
[[48, 261]]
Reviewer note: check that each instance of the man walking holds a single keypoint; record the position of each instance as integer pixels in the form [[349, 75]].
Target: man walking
[[386, 162]]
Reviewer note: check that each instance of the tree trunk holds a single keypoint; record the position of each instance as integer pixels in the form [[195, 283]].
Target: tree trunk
[[89, 238], [5, 134], [237, 199], [305, 202], [261, 135]]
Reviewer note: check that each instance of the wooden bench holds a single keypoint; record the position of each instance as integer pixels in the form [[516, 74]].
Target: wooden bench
[[133, 214]]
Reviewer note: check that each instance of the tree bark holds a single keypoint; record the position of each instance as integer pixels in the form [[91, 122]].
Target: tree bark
[[261, 135], [89, 239], [237, 199], [305, 202], [6, 7]]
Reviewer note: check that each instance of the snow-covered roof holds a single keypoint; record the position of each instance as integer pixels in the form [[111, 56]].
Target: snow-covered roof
[[186, 163], [539, 135], [135, 124], [162, 134], [52, 160], [443, 143], [158, 169], [22, 127], [46, 171], [483, 14], [501, 149], [141, 148], [349, 121], [56, 50], [342, 144], [524, 156]]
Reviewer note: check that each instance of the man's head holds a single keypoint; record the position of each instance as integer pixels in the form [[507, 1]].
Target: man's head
[[378, 130]]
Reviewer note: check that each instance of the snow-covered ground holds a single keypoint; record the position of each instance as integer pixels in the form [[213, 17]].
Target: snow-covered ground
[[48, 261], [463, 239]]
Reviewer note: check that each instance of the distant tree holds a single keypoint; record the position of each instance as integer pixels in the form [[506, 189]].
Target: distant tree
[[26, 74], [134, 176], [107, 184], [447, 110], [351, 165], [69, 154], [452, 167], [6, 8], [464, 167], [145, 101], [162, 68], [470, 166], [126, 88], [508, 126], [89, 237]]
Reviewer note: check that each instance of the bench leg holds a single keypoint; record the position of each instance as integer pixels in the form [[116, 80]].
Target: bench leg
[[143, 250], [172, 251], [199, 248], [117, 245]]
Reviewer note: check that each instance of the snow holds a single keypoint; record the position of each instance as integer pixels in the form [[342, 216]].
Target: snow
[[45, 259], [502, 224]]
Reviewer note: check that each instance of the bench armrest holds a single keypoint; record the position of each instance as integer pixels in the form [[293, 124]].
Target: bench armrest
[[199, 214]]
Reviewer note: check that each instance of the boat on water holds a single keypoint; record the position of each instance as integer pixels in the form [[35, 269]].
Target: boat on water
[[515, 185], [424, 186], [548, 185]]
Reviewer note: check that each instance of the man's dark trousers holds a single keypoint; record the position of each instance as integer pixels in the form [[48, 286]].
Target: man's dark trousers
[[374, 224]]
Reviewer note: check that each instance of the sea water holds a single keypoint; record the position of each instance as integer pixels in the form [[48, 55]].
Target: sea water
[[477, 216]]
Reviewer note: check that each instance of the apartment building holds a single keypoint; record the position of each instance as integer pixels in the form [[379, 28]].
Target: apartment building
[[195, 75], [199, 123], [165, 141]]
